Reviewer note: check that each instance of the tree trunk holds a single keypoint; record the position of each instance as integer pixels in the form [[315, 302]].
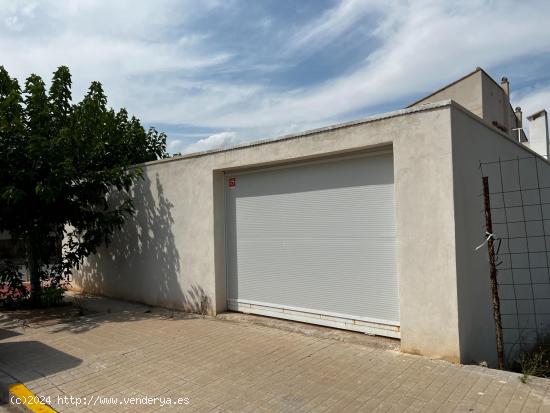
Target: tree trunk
[[34, 270]]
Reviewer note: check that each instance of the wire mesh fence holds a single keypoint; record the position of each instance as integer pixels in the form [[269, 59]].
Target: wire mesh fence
[[519, 192]]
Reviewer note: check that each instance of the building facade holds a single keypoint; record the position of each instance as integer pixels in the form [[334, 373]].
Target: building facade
[[370, 226]]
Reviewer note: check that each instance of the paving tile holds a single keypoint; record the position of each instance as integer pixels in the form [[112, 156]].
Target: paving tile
[[224, 366]]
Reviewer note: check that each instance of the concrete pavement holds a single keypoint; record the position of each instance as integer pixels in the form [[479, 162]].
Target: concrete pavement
[[123, 357]]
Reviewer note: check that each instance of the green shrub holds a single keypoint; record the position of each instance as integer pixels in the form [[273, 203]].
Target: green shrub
[[12, 289], [51, 296]]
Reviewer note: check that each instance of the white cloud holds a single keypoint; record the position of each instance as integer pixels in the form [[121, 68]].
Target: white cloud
[[215, 141], [107, 41], [153, 59], [13, 12], [175, 145], [425, 44], [13, 23], [330, 24]]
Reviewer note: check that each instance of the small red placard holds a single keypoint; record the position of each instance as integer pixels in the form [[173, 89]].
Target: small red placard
[[232, 183]]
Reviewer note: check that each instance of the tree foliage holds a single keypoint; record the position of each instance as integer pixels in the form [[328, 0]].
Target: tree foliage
[[60, 164]]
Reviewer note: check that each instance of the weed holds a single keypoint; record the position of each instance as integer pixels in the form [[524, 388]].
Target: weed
[[537, 361]]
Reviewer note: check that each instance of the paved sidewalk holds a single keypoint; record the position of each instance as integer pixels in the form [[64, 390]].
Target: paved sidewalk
[[230, 366]]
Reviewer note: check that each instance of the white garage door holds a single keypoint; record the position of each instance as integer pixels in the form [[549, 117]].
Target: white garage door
[[316, 243]]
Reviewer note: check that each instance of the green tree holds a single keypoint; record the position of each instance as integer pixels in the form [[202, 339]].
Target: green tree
[[66, 174]]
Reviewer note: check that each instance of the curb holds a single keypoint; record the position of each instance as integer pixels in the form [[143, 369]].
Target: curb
[[27, 400]]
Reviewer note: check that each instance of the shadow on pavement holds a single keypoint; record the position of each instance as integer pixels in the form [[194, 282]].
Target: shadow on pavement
[[82, 313], [7, 333], [24, 361], [33, 359]]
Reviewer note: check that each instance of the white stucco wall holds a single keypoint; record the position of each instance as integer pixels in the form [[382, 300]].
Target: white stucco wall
[[475, 142], [172, 253], [496, 106], [538, 134], [482, 96], [467, 92]]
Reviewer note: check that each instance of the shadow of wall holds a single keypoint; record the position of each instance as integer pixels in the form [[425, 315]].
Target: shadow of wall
[[142, 263]]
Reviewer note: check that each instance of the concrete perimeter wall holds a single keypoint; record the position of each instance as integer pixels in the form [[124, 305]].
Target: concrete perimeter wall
[[172, 252], [473, 143]]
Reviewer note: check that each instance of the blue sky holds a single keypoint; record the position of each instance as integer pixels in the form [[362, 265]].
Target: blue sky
[[215, 73]]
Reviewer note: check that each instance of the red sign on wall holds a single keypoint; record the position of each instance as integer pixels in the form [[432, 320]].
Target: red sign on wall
[[232, 183]]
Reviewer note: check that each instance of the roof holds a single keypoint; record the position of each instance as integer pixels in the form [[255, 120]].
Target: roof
[[371, 119], [374, 118]]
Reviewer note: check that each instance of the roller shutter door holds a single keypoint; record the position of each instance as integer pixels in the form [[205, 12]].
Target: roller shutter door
[[315, 242]]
